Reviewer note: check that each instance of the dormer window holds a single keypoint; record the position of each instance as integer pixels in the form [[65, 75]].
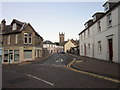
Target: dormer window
[[94, 17], [86, 25], [14, 26], [106, 7]]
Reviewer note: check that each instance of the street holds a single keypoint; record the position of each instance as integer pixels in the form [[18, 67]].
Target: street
[[50, 72]]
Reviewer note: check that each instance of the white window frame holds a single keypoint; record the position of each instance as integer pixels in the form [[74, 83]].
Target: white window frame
[[26, 35], [16, 54], [109, 20], [99, 47], [88, 32], [99, 26], [16, 39], [9, 37], [84, 34], [14, 27]]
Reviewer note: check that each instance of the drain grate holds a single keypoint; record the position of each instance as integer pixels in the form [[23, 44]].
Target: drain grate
[[18, 80]]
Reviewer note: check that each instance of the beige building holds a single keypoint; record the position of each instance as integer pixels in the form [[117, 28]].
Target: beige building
[[69, 44], [20, 42]]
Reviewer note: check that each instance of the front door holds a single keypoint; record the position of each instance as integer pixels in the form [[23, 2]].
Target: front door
[[84, 50], [11, 56], [110, 46]]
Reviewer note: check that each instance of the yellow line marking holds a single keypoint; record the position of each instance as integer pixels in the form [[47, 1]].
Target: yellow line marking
[[91, 74]]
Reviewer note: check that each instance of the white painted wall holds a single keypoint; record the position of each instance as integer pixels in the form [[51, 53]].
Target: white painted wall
[[102, 36], [68, 45]]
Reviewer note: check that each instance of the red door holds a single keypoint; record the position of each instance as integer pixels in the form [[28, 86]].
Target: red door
[[110, 43]]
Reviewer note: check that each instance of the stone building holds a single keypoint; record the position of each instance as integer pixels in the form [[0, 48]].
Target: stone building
[[20, 42], [61, 37]]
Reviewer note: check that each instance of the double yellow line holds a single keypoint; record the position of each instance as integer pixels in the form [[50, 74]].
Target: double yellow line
[[90, 74]]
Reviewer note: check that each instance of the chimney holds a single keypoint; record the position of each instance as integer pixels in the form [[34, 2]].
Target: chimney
[[3, 25]]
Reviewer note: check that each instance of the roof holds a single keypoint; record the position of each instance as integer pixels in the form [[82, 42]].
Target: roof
[[48, 42], [98, 13], [20, 27], [62, 43], [116, 5]]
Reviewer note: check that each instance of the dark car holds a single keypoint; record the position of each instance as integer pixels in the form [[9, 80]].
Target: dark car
[[62, 52]]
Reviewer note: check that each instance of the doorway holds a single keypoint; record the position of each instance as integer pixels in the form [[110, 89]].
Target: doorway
[[85, 50], [110, 48], [10, 56]]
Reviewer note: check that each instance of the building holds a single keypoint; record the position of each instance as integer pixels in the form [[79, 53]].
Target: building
[[0, 44], [61, 37], [69, 44], [20, 42], [100, 38], [51, 47]]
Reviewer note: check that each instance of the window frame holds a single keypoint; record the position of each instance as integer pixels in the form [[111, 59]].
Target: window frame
[[14, 26], [109, 20], [9, 37], [99, 26], [99, 47], [16, 39], [27, 38]]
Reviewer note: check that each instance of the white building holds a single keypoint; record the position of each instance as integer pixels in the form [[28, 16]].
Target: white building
[[51, 47], [1, 44], [100, 37]]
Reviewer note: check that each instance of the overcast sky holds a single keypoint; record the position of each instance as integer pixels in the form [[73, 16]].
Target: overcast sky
[[50, 18]]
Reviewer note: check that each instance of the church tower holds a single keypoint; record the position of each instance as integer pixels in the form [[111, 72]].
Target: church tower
[[61, 37]]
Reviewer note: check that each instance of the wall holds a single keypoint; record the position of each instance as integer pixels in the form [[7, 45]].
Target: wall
[[102, 36], [68, 45]]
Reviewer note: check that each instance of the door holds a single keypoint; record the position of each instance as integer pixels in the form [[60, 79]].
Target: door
[[84, 50], [110, 47], [11, 56]]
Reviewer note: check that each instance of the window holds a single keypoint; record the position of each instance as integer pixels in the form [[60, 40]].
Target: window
[[84, 34], [9, 39], [5, 55], [88, 46], [109, 20], [16, 39], [27, 38], [81, 37], [81, 49], [14, 27], [106, 7], [88, 32], [99, 47], [98, 26], [16, 55], [35, 53]]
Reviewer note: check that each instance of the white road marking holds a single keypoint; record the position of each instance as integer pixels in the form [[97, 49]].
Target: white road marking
[[40, 79], [60, 60]]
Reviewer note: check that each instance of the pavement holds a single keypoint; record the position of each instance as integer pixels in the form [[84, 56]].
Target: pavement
[[96, 66]]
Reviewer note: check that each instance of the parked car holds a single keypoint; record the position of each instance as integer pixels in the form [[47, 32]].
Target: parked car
[[62, 52]]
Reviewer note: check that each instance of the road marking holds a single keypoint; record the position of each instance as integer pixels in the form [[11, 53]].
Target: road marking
[[60, 60], [40, 79], [91, 74]]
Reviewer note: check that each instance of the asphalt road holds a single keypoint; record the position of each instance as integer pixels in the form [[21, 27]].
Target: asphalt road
[[50, 72]]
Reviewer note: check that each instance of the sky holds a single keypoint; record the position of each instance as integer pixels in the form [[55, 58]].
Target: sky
[[50, 18]]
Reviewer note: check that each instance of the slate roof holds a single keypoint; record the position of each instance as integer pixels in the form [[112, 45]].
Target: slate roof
[[20, 26], [104, 14], [48, 42]]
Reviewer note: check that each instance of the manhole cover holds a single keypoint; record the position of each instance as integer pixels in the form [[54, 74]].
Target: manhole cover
[[18, 80]]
